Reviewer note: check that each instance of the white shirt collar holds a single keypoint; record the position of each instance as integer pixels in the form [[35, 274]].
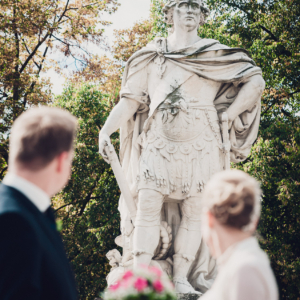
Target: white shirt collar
[[36, 195]]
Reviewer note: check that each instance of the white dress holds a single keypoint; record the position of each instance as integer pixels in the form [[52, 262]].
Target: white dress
[[244, 274]]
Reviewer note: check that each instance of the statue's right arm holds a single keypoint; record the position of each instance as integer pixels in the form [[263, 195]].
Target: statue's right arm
[[121, 113]]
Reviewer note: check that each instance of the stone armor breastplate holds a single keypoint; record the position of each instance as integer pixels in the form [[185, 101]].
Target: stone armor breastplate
[[184, 115], [181, 149]]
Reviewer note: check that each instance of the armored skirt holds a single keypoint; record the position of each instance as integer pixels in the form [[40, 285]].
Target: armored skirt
[[181, 150]]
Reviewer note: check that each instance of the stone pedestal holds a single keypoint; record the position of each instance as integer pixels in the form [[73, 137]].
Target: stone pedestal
[[188, 296], [179, 297]]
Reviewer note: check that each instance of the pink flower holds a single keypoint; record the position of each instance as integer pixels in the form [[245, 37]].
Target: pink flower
[[126, 283], [127, 275], [156, 271], [157, 285], [115, 286], [143, 266], [140, 284]]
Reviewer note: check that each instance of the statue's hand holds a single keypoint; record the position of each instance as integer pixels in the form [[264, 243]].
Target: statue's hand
[[104, 141], [232, 115], [227, 147]]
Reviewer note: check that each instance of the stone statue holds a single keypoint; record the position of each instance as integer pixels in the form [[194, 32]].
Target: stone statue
[[174, 92]]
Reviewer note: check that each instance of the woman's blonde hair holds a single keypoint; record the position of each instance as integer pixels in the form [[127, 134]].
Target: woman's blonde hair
[[233, 197]]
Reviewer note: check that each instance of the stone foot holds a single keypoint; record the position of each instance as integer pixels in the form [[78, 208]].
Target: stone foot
[[182, 286]]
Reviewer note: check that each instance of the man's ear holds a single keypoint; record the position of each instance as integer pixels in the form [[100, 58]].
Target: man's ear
[[61, 159]]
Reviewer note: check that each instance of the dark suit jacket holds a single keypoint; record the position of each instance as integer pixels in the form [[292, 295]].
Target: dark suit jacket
[[33, 262]]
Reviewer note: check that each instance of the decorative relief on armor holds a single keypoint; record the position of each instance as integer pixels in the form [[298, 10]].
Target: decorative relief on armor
[[217, 136], [171, 148], [159, 144], [161, 68], [160, 59], [186, 149], [151, 137], [199, 145], [200, 186], [176, 164]]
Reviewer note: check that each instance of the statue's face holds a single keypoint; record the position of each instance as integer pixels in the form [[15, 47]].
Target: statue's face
[[187, 14]]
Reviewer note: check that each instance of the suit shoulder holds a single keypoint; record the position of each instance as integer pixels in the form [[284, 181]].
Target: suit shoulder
[[14, 225], [13, 208], [9, 199]]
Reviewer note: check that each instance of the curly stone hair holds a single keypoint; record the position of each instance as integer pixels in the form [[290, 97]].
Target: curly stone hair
[[233, 197], [168, 12]]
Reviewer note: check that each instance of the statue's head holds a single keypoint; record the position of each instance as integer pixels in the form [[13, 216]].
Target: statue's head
[[188, 13]]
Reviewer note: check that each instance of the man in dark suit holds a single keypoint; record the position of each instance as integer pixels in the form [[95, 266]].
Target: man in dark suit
[[33, 262]]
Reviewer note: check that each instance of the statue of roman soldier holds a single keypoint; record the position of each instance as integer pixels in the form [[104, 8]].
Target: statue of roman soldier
[[174, 92]]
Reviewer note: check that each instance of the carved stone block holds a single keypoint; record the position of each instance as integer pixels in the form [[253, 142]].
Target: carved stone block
[[188, 296]]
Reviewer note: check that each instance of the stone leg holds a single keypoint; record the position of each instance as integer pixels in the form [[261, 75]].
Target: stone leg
[[147, 226], [187, 243]]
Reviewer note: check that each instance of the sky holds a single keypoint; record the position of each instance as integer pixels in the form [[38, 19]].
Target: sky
[[127, 14]]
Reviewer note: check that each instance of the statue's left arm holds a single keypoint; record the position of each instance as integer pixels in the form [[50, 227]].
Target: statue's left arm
[[248, 96]]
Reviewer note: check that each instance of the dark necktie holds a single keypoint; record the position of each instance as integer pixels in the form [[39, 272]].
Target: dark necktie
[[50, 216]]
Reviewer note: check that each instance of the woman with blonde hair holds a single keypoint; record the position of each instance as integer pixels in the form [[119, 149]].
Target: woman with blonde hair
[[231, 210]]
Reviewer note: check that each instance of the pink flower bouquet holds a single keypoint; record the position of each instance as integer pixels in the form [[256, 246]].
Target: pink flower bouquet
[[142, 284]]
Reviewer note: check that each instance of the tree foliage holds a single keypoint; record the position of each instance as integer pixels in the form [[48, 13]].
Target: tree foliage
[[87, 207], [29, 32]]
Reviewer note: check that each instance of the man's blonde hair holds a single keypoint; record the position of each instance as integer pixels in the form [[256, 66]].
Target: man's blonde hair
[[233, 197], [39, 135]]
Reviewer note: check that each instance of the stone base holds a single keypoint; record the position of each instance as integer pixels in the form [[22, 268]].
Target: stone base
[[188, 296], [179, 297]]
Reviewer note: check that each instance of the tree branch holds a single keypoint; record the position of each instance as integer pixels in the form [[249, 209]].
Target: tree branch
[[269, 32], [44, 56], [67, 205], [16, 73], [34, 52], [58, 39], [30, 90], [64, 12], [2, 172], [49, 33], [267, 109], [296, 92], [288, 114], [67, 43], [88, 198], [84, 6], [29, 52]]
